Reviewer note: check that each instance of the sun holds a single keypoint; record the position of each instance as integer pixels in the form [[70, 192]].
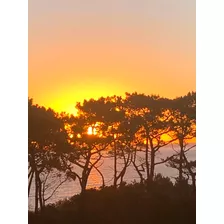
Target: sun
[[91, 131]]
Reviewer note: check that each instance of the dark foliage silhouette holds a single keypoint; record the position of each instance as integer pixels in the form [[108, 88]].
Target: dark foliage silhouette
[[121, 129]]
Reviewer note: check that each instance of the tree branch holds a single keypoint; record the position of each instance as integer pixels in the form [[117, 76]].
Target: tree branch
[[165, 160], [61, 182]]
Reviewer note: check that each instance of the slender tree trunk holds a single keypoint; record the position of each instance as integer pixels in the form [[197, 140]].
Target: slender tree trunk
[[137, 169], [122, 173], [36, 193], [34, 168], [193, 175], [126, 163], [152, 165], [31, 171], [181, 161], [152, 160], [84, 183], [115, 165], [103, 181], [85, 173], [147, 157], [194, 182], [139, 173], [40, 194], [30, 183]]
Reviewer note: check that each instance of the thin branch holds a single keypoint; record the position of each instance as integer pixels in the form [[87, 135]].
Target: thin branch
[[174, 149], [103, 181], [165, 160], [56, 189], [186, 150]]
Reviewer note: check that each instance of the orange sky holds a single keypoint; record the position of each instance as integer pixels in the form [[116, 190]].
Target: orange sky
[[92, 48]]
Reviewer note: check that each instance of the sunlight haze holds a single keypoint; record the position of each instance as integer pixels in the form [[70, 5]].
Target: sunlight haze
[[92, 48]]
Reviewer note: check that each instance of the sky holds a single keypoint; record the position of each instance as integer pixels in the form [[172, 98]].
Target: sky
[[82, 49]]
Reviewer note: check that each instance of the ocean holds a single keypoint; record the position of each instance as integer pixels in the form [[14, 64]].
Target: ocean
[[71, 187]]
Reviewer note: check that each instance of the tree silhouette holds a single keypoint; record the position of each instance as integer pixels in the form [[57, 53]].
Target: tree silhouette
[[87, 148], [129, 131], [47, 140], [183, 125], [154, 118]]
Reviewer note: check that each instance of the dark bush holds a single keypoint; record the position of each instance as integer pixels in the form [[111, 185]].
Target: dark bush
[[161, 202]]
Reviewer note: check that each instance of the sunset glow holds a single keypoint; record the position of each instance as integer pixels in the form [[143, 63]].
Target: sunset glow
[[111, 111], [81, 50], [91, 131]]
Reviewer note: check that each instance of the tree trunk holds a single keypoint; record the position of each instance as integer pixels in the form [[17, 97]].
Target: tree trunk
[[36, 193], [193, 175], [85, 173], [139, 172], [30, 183], [137, 169], [84, 183], [40, 194], [152, 166], [115, 166], [103, 181], [181, 161], [194, 182], [147, 156], [31, 171], [126, 163]]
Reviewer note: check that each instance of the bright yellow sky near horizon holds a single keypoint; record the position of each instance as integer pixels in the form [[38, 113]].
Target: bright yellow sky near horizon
[[92, 48]]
